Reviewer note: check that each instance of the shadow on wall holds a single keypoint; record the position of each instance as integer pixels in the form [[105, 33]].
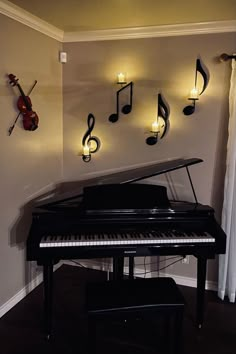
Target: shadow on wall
[[61, 193], [20, 230], [220, 163]]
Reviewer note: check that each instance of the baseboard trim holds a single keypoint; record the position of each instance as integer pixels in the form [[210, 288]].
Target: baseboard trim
[[191, 282], [180, 280], [23, 292], [106, 267]]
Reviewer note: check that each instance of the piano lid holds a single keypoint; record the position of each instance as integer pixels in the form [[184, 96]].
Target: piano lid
[[144, 172], [121, 177]]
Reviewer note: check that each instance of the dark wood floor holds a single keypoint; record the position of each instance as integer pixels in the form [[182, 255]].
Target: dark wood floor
[[21, 327]]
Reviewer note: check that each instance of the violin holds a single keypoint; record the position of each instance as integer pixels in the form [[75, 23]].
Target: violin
[[30, 118]]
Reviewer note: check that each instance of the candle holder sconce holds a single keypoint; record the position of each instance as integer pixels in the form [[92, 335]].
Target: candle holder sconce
[[195, 92], [91, 144], [121, 80], [160, 125]]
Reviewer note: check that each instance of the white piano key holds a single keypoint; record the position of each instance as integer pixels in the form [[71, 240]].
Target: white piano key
[[154, 237]]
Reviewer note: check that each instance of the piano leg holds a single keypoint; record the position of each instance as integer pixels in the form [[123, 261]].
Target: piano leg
[[48, 280], [118, 268], [201, 280], [131, 267]]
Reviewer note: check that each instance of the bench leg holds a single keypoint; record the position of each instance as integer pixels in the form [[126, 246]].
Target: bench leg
[[92, 340], [178, 332], [118, 268], [201, 280]]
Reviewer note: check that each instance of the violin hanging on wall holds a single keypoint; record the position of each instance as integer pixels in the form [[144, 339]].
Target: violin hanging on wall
[[30, 118]]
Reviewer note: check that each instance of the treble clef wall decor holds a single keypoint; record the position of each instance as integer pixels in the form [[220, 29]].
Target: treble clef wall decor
[[91, 144], [128, 107], [196, 92]]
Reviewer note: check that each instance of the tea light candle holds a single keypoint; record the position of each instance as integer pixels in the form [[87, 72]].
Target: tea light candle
[[86, 150], [155, 127], [121, 78], [194, 94]]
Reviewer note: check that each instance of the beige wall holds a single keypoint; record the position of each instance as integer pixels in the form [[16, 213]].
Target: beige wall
[[30, 161], [155, 65]]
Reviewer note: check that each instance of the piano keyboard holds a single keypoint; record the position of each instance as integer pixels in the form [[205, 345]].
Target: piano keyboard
[[127, 238]]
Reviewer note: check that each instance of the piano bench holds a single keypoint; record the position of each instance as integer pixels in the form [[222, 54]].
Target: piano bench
[[133, 299]]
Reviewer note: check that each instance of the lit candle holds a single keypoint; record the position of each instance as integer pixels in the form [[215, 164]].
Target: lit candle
[[86, 150], [194, 94], [120, 78], [155, 127]]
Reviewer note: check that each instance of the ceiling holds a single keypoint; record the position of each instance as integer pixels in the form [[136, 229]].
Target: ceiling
[[85, 15]]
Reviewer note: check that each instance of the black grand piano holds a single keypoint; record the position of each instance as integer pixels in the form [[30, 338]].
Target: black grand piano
[[119, 216]]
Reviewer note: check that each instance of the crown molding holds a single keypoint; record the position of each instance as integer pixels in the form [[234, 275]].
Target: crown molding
[[152, 31], [18, 14]]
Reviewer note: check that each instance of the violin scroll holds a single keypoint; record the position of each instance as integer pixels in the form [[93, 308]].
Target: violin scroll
[[13, 80]]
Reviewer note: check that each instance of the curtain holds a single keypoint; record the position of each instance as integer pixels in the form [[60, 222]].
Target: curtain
[[227, 262]]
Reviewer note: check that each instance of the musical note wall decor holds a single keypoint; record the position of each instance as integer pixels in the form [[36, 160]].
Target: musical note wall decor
[[126, 109], [91, 144], [195, 92], [161, 123]]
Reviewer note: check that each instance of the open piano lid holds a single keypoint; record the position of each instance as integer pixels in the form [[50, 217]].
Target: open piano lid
[[127, 197], [124, 177], [140, 173]]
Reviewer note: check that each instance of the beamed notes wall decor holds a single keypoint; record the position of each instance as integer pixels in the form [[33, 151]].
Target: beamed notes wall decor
[[127, 108]]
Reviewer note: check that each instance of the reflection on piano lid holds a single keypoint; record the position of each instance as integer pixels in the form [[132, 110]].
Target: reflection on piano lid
[[137, 199], [126, 177]]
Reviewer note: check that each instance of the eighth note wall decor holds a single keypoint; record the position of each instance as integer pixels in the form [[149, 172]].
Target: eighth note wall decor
[[160, 124], [196, 92]]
